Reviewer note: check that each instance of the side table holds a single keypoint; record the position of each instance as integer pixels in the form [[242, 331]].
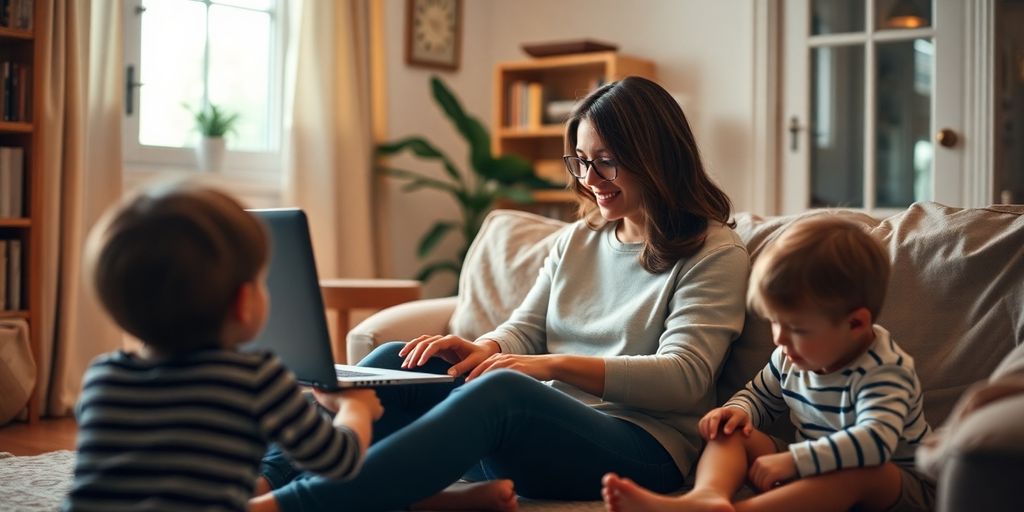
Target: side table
[[344, 295]]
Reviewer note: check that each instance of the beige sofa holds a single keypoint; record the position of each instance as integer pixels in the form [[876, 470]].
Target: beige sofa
[[955, 303]]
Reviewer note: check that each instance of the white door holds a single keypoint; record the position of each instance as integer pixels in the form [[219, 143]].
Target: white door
[[867, 87]]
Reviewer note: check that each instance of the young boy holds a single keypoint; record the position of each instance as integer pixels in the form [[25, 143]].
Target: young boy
[[183, 424], [850, 391]]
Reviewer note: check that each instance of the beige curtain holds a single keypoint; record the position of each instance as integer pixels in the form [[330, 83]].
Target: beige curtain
[[81, 146], [327, 150]]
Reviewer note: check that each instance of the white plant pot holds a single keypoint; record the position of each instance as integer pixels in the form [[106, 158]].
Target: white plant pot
[[210, 153]]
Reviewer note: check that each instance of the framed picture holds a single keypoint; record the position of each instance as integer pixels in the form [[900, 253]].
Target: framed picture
[[433, 33]]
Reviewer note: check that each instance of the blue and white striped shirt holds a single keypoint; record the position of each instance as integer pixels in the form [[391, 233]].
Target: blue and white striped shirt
[[865, 414], [188, 433]]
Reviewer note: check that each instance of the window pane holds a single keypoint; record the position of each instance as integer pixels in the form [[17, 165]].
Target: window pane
[[837, 126], [240, 56], [837, 16], [171, 68], [251, 4], [897, 14], [904, 153]]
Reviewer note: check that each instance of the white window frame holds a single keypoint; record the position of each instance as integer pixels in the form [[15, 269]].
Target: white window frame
[[246, 172]]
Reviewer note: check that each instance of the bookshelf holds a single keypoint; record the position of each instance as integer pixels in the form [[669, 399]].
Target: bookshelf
[[21, 179], [531, 100]]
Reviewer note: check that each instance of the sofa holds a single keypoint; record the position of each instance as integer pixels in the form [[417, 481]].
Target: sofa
[[955, 302]]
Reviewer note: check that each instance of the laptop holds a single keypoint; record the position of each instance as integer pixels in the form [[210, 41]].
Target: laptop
[[296, 330]]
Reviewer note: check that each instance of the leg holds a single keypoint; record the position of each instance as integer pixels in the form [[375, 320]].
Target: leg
[[550, 444], [721, 471], [873, 488]]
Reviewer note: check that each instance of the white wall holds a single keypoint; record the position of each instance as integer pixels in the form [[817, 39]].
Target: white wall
[[703, 52]]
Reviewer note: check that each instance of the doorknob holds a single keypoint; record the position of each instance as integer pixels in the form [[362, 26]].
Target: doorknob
[[947, 138]]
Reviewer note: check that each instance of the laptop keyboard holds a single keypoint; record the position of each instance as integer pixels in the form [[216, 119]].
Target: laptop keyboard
[[349, 373]]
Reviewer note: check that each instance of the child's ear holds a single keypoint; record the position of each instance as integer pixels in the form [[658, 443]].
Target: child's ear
[[240, 310], [859, 319]]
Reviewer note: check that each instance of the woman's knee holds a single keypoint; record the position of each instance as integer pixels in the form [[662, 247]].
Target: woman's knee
[[500, 386], [384, 356]]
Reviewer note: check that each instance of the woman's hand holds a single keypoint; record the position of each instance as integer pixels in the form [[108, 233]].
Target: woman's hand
[[540, 367], [773, 470], [463, 354], [733, 418]]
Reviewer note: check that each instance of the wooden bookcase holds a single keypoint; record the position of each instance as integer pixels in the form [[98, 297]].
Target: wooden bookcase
[[523, 95], [18, 46]]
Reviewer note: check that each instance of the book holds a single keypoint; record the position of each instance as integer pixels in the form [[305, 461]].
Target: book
[[6, 183], [14, 274], [3, 275], [17, 190]]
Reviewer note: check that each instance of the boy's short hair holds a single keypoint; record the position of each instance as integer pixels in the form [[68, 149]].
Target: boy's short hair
[[168, 263], [823, 263]]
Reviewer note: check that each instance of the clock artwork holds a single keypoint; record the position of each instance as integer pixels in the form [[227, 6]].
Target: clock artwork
[[433, 33]]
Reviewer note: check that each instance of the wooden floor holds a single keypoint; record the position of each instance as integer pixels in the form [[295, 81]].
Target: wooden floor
[[46, 435]]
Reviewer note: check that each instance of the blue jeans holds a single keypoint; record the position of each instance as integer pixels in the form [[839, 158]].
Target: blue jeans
[[502, 425]]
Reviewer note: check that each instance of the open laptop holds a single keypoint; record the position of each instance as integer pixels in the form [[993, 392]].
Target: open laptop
[[296, 330]]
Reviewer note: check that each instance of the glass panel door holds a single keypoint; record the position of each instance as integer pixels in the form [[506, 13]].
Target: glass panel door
[[862, 100]]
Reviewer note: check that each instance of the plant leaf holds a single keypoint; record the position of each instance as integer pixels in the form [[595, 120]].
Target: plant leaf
[[441, 266], [470, 127], [420, 180], [517, 194], [508, 169], [431, 239], [423, 149]]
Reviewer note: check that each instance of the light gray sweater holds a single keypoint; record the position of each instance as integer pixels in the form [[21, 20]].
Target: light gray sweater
[[663, 336]]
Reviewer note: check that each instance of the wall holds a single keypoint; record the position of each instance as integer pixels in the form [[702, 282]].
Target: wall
[[703, 51]]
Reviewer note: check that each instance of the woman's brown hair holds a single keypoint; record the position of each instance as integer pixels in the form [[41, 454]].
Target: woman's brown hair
[[649, 136]]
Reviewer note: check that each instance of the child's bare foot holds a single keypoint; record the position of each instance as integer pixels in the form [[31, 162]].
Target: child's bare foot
[[262, 486], [624, 495], [490, 496]]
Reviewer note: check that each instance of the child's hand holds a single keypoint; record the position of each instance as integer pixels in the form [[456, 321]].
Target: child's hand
[[363, 398], [773, 470], [729, 418]]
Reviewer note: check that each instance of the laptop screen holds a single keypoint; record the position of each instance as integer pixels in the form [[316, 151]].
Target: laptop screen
[[296, 330]]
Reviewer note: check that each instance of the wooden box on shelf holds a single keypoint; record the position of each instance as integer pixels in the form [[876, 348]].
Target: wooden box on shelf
[[532, 99], [21, 180]]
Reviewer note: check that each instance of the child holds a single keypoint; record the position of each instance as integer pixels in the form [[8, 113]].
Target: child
[[850, 391], [183, 424]]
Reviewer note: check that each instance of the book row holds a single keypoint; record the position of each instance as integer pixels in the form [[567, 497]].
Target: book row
[[16, 14], [12, 182], [14, 100], [10, 274]]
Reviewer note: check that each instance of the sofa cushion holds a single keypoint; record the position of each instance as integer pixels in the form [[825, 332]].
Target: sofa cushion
[[500, 267]]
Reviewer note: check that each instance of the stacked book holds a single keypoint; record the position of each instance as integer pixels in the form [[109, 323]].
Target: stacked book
[[10, 274], [12, 182], [16, 14], [14, 100]]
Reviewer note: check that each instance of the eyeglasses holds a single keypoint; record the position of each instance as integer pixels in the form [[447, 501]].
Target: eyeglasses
[[604, 167]]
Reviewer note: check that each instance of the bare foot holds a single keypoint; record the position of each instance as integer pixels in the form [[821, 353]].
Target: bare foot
[[624, 495], [490, 496], [262, 486]]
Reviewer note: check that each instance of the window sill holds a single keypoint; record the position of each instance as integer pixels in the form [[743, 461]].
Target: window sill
[[255, 189]]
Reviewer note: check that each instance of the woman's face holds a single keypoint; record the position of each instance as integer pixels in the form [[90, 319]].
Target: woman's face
[[616, 199]]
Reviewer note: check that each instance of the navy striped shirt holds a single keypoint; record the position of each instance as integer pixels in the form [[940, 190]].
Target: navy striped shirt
[[865, 414], [189, 432]]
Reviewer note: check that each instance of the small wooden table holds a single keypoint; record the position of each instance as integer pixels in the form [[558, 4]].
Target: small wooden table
[[344, 295]]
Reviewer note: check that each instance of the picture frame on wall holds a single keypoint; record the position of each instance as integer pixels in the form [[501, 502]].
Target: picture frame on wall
[[433, 34]]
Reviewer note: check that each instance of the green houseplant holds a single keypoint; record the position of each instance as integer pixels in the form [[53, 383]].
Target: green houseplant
[[212, 123], [493, 177]]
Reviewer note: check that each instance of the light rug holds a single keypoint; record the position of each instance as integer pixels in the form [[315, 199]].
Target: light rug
[[40, 482]]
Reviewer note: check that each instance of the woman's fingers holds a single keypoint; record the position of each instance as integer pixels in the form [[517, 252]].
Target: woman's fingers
[[414, 348]]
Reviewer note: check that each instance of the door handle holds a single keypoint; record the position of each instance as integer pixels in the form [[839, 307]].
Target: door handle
[[947, 138]]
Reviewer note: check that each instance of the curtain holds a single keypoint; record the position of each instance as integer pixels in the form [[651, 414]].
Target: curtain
[[80, 134], [327, 148]]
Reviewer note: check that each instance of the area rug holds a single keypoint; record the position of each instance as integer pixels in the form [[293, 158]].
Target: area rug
[[38, 483]]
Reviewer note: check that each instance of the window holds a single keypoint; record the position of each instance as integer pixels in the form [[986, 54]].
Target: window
[[181, 55]]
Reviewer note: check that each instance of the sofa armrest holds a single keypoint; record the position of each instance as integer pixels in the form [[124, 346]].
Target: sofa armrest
[[979, 462], [399, 323]]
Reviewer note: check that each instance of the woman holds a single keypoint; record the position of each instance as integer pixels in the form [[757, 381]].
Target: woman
[[630, 318]]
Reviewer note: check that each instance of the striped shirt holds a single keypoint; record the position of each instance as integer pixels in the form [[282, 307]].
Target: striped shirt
[[188, 433], [865, 414]]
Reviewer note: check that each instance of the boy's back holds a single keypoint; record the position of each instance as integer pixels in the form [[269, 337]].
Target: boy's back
[[183, 433]]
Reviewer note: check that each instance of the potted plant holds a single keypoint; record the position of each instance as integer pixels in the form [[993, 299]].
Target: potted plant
[[212, 123], [505, 176]]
